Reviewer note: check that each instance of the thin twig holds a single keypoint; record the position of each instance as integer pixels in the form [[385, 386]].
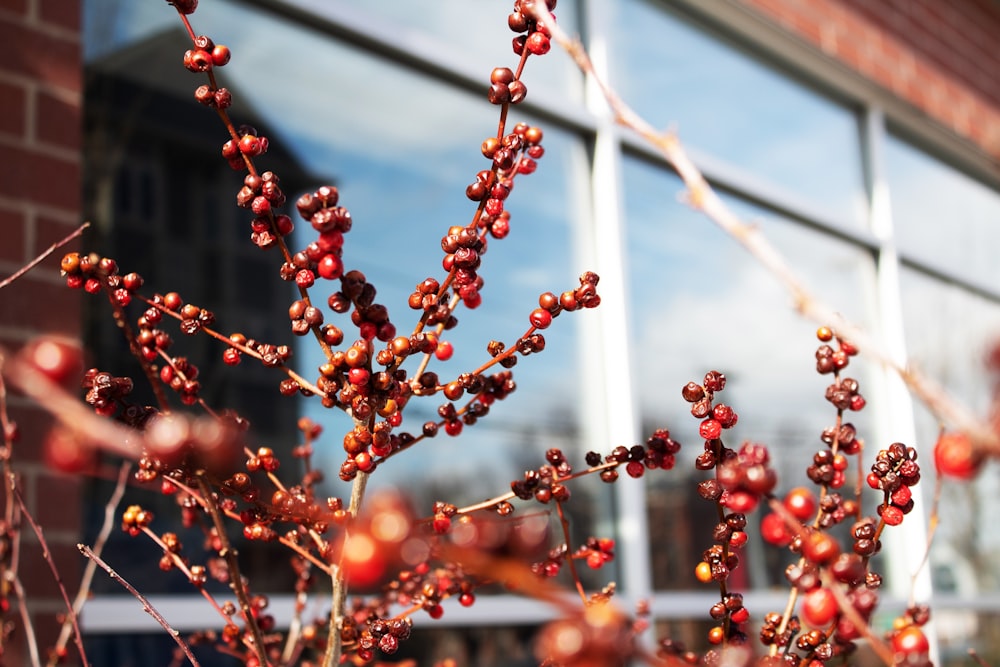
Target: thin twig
[[978, 658], [88, 573], [47, 555], [29, 628], [79, 419], [701, 196], [338, 595], [38, 260], [232, 564], [146, 605]]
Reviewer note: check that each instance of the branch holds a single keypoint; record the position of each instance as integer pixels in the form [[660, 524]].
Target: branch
[[38, 260], [339, 593], [55, 572], [88, 574], [232, 564], [701, 196], [146, 605], [77, 417]]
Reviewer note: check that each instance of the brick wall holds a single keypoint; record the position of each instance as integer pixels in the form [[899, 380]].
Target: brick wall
[[40, 139], [942, 57]]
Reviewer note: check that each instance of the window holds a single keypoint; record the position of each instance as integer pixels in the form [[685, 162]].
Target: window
[[376, 99]]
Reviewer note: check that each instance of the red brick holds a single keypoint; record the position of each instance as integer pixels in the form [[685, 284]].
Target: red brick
[[41, 305], [14, 6], [35, 572], [42, 179], [49, 232], [58, 122], [14, 114], [33, 423], [55, 499], [40, 55], [62, 13], [13, 224]]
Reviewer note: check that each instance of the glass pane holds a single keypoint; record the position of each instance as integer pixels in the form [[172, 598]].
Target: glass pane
[[725, 103], [700, 302], [402, 149], [475, 36], [941, 215], [950, 334]]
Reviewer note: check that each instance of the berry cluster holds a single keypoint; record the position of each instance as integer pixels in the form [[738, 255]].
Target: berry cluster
[[894, 472], [410, 565], [535, 38]]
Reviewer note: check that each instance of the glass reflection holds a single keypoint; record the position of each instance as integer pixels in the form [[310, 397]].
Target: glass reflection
[[401, 148], [698, 298], [726, 103], [949, 335], [941, 215]]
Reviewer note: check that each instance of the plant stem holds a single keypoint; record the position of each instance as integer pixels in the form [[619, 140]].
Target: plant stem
[[338, 596], [232, 564], [47, 555], [146, 605]]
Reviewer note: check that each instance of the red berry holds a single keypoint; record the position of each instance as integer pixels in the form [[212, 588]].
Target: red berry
[[741, 615], [231, 356], [540, 318], [635, 469], [250, 145], [955, 457], [453, 427], [739, 501], [221, 55], [911, 640], [801, 503], [892, 515], [305, 278], [538, 43], [444, 350], [363, 560], [441, 524], [710, 429], [820, 548], [61, 360], [358, 376], [819, 607], [65, 452], [901, 496], [330, 267]]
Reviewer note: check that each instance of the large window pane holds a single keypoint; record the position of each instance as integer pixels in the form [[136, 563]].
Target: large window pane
[[949, 333], [401, 147], [725, 103], [700, 302], [942, 216], [474, 35]]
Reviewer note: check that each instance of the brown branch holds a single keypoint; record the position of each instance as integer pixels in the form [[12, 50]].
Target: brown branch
[[38, 260], [338, 595], [232, 564], [88, 574], [146, 605], [29, 629], [80, 420], [701, 196], [47, 555]]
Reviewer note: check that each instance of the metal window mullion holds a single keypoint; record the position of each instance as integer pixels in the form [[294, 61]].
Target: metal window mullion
[[614, 392], [905, 544]]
